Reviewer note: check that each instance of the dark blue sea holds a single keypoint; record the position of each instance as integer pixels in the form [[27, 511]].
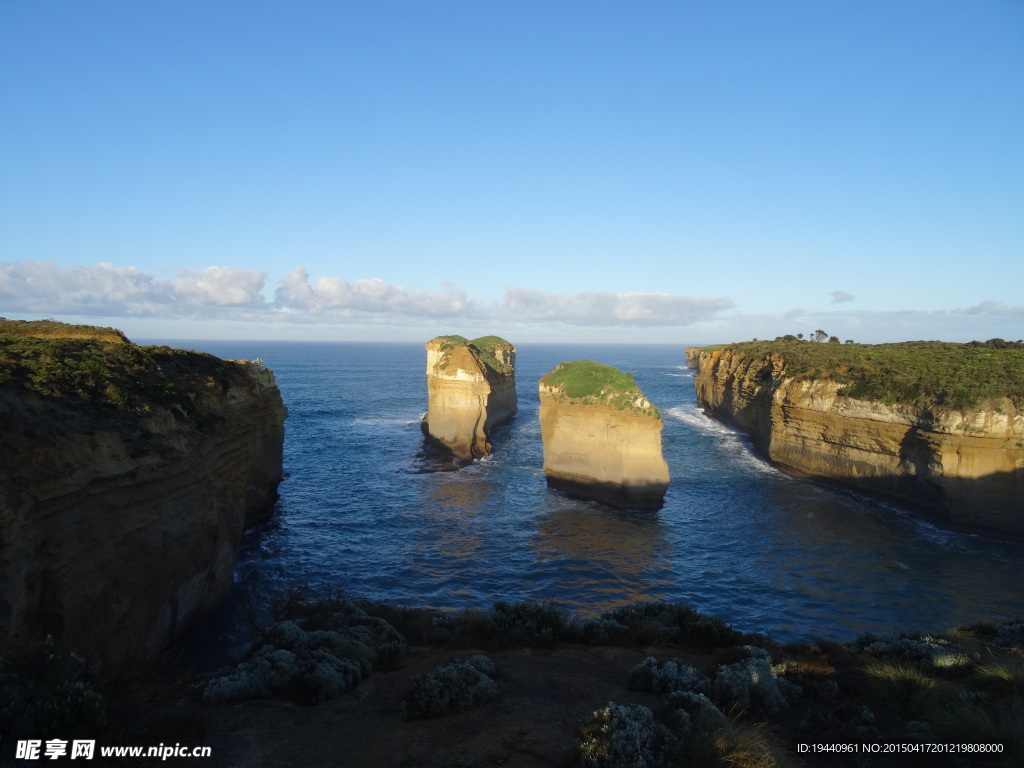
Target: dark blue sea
[[736, 537]]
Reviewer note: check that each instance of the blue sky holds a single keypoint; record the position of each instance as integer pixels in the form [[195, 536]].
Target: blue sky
[[675, 172]]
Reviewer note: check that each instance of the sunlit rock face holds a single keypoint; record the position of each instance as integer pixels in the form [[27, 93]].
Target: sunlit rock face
[[471, 390], [602, 437], [121, 518], [966, 467], [693, 357]]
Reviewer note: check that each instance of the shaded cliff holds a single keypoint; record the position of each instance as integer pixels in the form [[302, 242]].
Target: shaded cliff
[[938, 425], [471, 390], [127, 475], [602, 437]]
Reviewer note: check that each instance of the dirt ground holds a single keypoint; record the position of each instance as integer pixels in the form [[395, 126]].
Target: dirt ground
[[545, 697]]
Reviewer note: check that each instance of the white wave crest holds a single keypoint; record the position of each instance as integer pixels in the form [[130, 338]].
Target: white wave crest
[[734, 440], [693, 416], [381, 421]]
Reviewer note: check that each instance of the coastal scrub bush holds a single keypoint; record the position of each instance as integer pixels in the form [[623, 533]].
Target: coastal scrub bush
[[46, 691], [627, 737], [674, 675], [1010, 634], [603, 632], [314, 665], [664, 623], [453, 687], [701, 711], [753, 682], [527, 622], [923, 651]]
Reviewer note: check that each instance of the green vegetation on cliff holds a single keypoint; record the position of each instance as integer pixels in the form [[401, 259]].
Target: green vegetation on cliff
[[929, 374], [65, 362], [589, 381], [485, 347], [51, 329]]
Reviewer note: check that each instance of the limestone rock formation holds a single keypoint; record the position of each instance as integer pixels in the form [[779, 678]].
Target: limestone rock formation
[[964, 465], [471, 390], [602, 437], [127, 475], [693, 357]]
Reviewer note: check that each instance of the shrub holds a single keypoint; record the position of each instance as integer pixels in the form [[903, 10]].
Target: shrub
[[454, 687], [753, 682], [1010, 634], [314, 665], [702, 712], [626, 737], [923, 651], [46, 691], [526, 622], [669, 677], [673, 623]]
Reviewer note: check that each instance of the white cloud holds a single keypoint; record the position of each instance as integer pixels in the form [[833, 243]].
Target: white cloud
[[221, 286], [611, 309], [343, 298], [840, 297], [108, 291], [990, 307]]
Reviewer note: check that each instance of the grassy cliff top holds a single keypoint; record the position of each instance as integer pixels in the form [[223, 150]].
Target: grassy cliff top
[[116, 376], [589, 381], [933, 374], [51, 329], [485, 347]]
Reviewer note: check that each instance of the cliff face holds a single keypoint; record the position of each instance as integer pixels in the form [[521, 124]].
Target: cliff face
[[693, 357], [604, 446], [471, 390], [121, 525], [967, 466]]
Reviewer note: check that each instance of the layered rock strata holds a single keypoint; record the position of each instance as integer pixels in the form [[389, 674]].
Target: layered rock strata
[[471, 390], [127, 476], [602, 437], [693, 357], [965, 466]]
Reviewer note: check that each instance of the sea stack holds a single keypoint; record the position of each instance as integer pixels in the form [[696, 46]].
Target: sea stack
[[471, 389], [602, 437]]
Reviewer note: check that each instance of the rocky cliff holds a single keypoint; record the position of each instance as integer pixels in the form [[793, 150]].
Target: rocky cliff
[[963, 462], [471, 389], [602, 437], [127, 475], [693, 357]]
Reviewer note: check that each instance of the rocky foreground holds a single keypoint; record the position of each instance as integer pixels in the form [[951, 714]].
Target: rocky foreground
[[335, 682]]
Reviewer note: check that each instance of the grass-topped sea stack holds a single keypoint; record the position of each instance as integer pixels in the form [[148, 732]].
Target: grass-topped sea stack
[[602, 437], [938, 424], [471, 389]]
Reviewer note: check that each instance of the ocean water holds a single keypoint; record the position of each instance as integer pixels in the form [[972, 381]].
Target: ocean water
[[736, 537]]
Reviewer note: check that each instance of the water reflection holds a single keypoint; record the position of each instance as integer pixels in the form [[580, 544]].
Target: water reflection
[[615, 556]]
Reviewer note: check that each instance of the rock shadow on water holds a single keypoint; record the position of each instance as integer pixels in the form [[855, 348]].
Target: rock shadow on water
[[432, 459]]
